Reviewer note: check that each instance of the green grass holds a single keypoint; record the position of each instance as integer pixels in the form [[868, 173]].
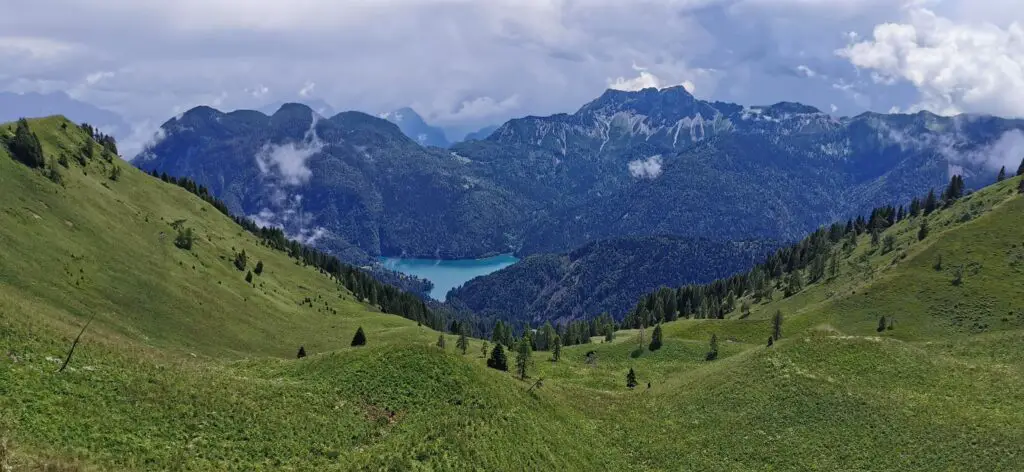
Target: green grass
[[187, 367]]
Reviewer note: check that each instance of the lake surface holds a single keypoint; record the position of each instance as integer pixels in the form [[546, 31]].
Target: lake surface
[[448, 274]]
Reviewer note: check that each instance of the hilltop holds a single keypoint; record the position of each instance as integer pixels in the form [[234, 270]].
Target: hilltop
[[188, 366]]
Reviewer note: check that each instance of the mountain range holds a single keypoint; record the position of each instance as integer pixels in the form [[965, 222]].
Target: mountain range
[[626, 165]]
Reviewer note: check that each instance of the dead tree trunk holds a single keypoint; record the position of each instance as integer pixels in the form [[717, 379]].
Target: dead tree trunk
[[71, 351]]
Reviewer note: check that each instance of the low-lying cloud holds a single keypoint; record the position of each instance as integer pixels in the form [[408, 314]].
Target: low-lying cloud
[[649, 168], [288, 161]]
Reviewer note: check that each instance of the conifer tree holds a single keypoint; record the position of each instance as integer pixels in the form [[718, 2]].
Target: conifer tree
[[440, 341], [1020, 188], [302, 352], [522, 358], [631, 379], [881, 324], [259, 267], [930, 203], [922, 232], [656, 338], [360, 337], [712, 348], [483, 349], [556, 349], [248, 277], [463, 343], [794, 283], [771, 341], [1020, 170], [888, 243], [609, 334], [1002, 174], [777, 325], [817, 269], [497, 359]]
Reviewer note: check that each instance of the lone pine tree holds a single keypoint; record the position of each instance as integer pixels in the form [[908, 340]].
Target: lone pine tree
[[259, 268], [497, 359], [777, 325], [631, 378], [922, 232], [463, 342], [656, 338], [440, 341], [302, 352], [556, 349], [360, 338], [522, 358], [881, 324], [712, 348]]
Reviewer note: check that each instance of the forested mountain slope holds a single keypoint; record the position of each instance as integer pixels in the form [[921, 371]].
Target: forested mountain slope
[[351, 183], [651, 162], [601, 277]]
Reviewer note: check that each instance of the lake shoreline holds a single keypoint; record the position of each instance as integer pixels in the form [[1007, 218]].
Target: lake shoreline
[[447, 274]]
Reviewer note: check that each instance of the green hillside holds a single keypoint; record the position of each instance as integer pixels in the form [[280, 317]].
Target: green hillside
[[186, 366]]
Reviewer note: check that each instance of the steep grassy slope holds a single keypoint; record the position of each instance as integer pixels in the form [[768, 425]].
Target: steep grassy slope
[[154, 384], [193, 369]]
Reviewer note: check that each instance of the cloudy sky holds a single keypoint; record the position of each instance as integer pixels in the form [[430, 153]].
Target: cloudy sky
[[468, 63]]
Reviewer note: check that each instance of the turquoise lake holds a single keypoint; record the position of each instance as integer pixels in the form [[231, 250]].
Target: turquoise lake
[[448, 274]]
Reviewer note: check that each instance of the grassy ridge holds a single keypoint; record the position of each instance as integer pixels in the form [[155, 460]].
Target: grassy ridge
[[188, 367]]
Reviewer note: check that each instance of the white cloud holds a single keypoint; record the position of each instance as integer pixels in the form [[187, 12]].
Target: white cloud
[[955, 67], [307, 89], [644, 80], [649, 168], [1004, 152], [806, 71], [288, 161], [480, 108], [95, 77], [144, 136], [258, 91]]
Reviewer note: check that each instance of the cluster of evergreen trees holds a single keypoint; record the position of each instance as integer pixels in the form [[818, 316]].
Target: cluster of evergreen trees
[[548, 336], [107, 142], [813, 259], [24, 146], [389, 298]]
